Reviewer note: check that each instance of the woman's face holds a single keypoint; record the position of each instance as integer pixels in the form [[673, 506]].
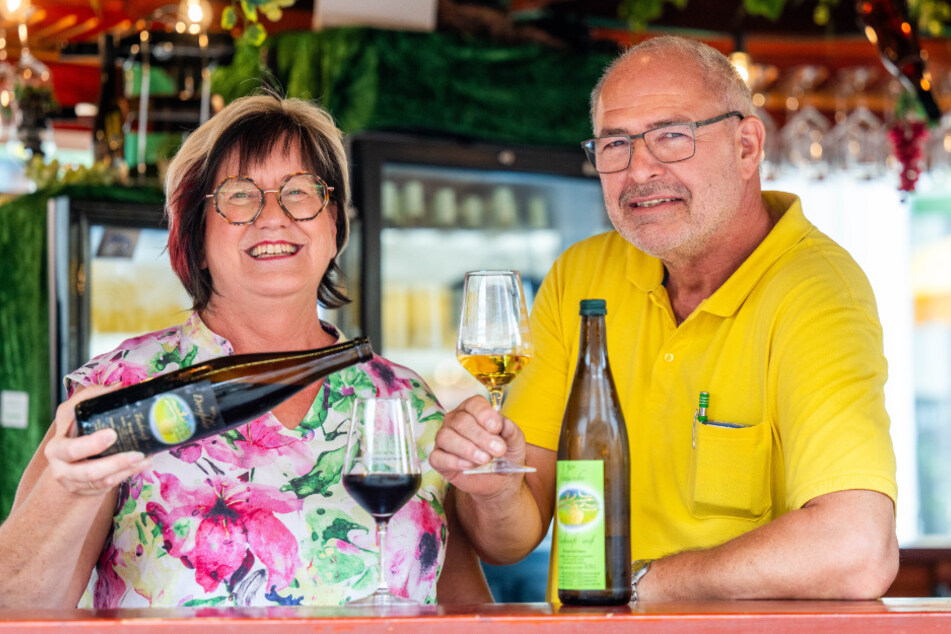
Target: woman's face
[[273, 257]]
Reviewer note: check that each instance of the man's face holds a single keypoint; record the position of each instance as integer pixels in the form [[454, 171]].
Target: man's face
[[672, 211]]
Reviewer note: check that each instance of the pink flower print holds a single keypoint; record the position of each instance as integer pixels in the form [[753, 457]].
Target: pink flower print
[[119, 372], [109, 585], [189, 452], [258, 443], [412, 549], [235, 522], [388, 384]]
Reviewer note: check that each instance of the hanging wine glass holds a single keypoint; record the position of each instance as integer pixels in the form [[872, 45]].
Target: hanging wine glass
[[761, 76], [865, 143], [805, 126]]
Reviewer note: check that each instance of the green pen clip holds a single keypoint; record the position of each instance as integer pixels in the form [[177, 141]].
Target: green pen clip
[[700, 416]]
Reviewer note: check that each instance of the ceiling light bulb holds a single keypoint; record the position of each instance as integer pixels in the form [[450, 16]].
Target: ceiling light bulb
[[15, 10]]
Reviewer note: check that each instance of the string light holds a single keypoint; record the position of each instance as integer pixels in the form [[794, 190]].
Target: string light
[[194, 16], [15, 10]]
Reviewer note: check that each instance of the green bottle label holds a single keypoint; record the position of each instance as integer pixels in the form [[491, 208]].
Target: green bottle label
[[579, 518]]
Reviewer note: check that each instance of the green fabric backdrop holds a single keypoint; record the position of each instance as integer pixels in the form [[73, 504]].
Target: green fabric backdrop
[[24, 318], [368, 79]]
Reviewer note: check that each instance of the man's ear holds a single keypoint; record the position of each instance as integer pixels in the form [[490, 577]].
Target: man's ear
[[751, 136]]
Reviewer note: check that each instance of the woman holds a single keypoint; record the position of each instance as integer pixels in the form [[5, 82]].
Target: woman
[[256, 207]]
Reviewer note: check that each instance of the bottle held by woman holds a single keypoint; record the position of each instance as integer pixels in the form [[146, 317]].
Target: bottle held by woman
[[211, 397]]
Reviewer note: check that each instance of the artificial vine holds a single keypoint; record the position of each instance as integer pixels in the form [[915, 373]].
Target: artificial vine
[[249, 12]]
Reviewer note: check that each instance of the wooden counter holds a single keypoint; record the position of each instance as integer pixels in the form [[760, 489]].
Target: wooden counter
[[868, 617]]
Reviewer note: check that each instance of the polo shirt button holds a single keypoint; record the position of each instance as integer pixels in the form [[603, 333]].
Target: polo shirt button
[[668, 357]]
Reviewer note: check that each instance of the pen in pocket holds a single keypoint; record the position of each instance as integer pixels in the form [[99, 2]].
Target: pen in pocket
[[700, 416]]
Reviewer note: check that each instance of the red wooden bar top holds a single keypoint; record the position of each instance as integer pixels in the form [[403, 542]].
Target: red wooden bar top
[[886, 615]]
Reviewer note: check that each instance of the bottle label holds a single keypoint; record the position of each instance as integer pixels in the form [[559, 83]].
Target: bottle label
[[163, 420], [579, 517]]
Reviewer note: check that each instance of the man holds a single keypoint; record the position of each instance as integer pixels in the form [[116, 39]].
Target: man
[[711, 285]]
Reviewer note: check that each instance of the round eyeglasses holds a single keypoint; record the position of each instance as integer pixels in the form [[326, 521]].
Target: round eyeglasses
[[302, 196], [667, 143]]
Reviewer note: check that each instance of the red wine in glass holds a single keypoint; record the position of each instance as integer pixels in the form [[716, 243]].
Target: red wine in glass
[[381, 494]]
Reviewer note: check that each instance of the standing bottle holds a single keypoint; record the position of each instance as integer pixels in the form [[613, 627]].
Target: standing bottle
[[210, 397], [592, 514]]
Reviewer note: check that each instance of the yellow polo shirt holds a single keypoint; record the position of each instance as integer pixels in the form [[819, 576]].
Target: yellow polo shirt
[[789, 348]]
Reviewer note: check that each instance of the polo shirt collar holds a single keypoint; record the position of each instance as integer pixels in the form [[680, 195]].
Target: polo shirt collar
[[789, 230], [647, 272], [644, 271]]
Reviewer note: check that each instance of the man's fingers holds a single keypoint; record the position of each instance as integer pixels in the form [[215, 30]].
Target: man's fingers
[[461, 444]]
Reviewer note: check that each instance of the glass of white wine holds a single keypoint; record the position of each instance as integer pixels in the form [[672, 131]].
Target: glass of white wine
[[494, 341]]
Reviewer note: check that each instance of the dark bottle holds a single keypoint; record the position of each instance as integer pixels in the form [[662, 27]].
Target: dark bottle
[[896, 35], [592, 514], [210, 397]]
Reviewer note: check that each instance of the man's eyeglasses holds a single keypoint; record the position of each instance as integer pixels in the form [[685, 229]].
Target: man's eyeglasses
[[302, 196], [668, 144]]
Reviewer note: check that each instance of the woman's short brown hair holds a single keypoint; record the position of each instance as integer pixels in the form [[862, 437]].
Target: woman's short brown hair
[[250, 128]]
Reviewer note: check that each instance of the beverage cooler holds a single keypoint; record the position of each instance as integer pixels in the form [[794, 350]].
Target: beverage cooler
[[430, 209], [109, 279]]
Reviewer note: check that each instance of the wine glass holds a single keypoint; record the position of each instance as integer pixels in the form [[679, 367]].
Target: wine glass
[[494, 342], [381, 472]]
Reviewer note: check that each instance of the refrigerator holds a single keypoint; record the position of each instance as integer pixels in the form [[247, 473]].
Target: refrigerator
[[429, 209], [109, 279]]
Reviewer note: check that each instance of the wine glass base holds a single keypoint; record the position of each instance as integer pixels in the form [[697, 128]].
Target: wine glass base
[[383, 598], [500, 465]]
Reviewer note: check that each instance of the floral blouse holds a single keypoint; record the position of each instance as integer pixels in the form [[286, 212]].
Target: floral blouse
[[258, 516]]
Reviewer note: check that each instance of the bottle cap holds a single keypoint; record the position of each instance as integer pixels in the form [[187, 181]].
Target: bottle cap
[[593, 307]]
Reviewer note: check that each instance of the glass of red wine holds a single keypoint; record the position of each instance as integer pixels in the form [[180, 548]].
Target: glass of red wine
[[381, 472]]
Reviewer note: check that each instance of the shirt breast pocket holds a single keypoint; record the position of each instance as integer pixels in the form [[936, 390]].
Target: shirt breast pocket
[[730, 470]]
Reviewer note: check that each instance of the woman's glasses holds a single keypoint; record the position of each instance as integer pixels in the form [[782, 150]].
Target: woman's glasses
[[302, 196]]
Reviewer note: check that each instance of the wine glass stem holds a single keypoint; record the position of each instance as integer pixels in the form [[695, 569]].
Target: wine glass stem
[[381, 538], [495, 396]]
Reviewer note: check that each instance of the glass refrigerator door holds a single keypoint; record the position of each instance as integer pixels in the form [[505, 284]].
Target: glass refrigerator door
[[440, 222]]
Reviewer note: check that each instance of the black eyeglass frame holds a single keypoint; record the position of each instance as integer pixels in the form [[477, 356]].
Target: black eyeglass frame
[[264, 192], [588, 145]]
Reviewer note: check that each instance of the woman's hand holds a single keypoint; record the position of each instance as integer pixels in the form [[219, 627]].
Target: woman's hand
[[471, 435], [68, 453]]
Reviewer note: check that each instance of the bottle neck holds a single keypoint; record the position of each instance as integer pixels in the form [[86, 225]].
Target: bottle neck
[[594, 348]]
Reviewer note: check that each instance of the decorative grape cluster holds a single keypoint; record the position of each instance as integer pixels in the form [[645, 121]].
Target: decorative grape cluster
[[907, 138]]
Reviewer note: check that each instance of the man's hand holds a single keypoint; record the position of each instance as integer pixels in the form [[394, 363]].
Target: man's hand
[[504, 515], [471, 435]]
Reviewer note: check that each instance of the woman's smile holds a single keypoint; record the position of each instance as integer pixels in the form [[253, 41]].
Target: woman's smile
[[266, 250]]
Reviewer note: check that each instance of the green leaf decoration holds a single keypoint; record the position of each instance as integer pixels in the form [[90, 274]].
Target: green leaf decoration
[[229, 18], [639, 12], [771, 9], [255, 34], [244, 74], [250, 10]]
